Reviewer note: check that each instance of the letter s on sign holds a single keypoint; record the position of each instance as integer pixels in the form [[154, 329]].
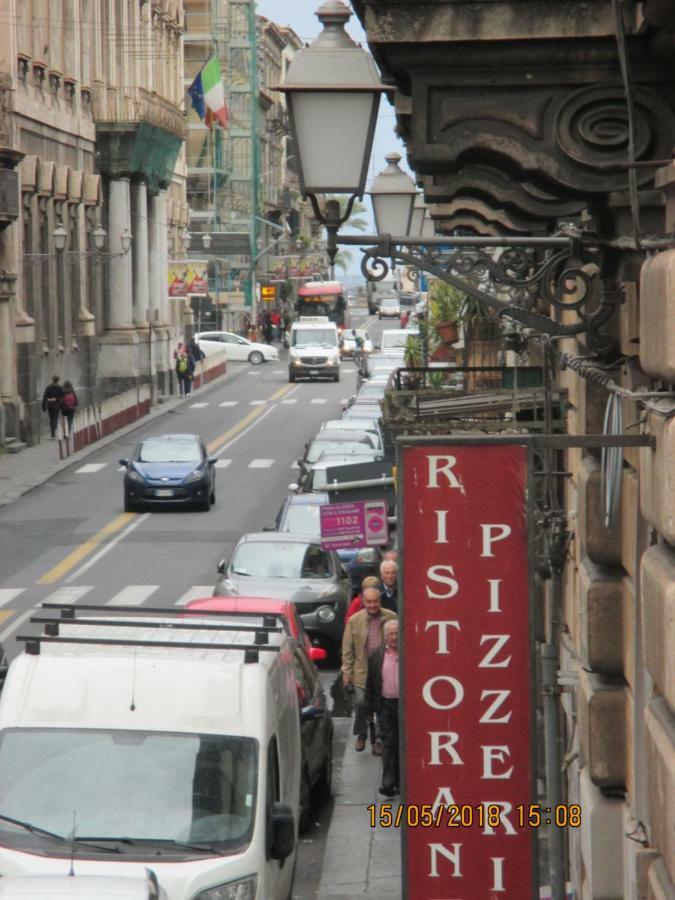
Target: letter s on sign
[[436, 573]]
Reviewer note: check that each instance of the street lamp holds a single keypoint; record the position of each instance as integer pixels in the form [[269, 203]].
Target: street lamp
[[418, 214], [125, 240], [60, 237], [333, 95], [206, 240], [99, 234], [393, 195], [185, 239]]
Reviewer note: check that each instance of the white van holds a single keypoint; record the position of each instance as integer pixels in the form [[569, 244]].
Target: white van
[[76, 887], [170, 744], [314, 349]]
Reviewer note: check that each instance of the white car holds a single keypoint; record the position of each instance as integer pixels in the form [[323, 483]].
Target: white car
[[237, 348], [389, 306]]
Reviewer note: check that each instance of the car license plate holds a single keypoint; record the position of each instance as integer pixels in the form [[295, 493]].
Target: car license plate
[[313, 371], [164, 492]]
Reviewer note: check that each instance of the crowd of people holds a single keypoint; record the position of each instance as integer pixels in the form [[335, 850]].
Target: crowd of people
[[370, 669]]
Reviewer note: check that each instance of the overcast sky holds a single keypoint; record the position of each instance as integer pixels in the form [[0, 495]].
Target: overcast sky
[[300, 15]]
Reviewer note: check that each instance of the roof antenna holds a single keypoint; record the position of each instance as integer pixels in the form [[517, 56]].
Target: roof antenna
[[133, 684], [71, 838]]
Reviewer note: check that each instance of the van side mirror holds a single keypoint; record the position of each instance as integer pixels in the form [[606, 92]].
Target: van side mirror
[[123, 462], [283, 831], [293, 486], [221, 567]]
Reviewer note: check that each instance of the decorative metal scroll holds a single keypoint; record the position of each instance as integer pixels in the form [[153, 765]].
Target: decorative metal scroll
[[525, 282]]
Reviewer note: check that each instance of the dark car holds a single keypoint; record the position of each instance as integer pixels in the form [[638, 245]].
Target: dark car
[[168, 469], [291, 567], [300, 514], [316, 724]]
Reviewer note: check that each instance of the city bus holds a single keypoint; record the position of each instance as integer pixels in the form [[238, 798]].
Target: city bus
[[322, 298]]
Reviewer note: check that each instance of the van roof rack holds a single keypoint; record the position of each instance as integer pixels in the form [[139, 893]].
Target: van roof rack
[[251, 651], [53, 624], [68, 611]]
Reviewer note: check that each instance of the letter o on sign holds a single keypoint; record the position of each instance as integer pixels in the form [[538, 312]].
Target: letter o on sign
[[457, 687]]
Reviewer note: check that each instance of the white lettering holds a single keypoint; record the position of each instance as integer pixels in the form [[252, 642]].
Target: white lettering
[[453, 856], [456, 686], [500, 640], [497, 873], [494, 595], [442, 465], [495, 754], [500, 532], [441, 526], [443, 633], [435, 573], [439, 745], [505, 809], [488, 717], [444, 797]]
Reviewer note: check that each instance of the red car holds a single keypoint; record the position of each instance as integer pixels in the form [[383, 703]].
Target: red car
[[254, 605]]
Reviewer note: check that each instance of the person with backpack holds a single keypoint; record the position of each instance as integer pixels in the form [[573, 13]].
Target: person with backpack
[[183, 373], [68, 404], [51, 403]]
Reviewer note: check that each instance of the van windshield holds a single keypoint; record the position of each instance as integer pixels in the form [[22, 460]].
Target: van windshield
[[314, 337], [132, 786]]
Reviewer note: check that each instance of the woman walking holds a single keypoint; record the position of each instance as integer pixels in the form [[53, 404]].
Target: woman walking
[[69, 404]]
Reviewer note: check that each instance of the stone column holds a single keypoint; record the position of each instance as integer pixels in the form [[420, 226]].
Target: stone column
[[119, 268], [142, 299], [154, 253]]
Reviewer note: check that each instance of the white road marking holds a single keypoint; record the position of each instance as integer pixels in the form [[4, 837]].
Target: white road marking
[[257, 402], [254, 372], [294, 466], [261, 463], [250, 427], [133, 595], [289, 402], [90, 467], [68, 594], [108, 546], [344, 400], [222, 463], [196, 592], [278, 372], [318, 400], [197, 405], [15, 624], [229, 403], [8, 594]]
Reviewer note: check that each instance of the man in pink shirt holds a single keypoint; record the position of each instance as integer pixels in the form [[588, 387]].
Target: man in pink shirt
[[382, 699]]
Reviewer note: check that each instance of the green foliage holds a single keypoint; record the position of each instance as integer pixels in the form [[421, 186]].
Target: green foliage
[[354, 221], [436, 379], [445, 302], [413, 352]]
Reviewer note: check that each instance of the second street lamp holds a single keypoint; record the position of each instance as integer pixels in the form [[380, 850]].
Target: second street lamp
[[393, 195]]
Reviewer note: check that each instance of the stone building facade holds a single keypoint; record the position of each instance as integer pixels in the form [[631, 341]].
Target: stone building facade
[[518, 117], [92, 138]]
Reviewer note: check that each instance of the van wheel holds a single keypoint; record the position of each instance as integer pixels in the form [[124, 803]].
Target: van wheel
[[337, 377], [325, 783], [305, 801], [291, 378]]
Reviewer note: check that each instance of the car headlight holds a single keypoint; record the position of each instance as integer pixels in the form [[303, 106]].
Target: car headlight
[[197, 475], [295, 356], [133, 475], [325, 614], [365, 555], [243, 889]]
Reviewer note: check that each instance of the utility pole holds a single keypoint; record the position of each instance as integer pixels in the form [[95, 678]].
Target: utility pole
[[255, 156]]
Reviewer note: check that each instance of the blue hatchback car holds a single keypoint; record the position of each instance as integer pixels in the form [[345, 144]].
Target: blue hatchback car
[[170, 468]]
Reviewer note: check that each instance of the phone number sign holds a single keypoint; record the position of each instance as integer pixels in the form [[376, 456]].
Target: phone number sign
[[359, 524]]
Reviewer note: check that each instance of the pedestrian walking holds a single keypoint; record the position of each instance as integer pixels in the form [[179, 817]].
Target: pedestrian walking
[[267, 326], [51, 403], [382, 700], [356, 605], [389, 584], [276, 324], [179, 349], [362, 637], [183, 373], [192, 365], [69, 404]]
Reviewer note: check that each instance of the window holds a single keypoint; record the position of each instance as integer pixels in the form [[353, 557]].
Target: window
[[316, 563], [273, 790]]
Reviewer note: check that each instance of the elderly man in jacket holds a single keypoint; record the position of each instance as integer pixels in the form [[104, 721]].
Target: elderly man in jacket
[[362, 637], [382, 699]]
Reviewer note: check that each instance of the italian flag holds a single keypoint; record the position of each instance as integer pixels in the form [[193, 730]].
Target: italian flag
[[208, 94]]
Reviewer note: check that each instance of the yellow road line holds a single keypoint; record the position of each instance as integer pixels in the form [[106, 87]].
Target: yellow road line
[[218, 442], [85, 548], [5, 614]]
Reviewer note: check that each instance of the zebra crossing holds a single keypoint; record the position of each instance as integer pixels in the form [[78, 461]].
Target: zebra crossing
[[91, 469]]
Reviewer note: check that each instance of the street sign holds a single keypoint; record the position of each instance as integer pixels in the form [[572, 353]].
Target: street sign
[[466, 679], [268, 292], [359, 524]]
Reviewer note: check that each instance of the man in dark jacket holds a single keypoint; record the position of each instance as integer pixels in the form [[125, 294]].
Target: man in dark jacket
[[51, 403], [382, 699], [389, 584]]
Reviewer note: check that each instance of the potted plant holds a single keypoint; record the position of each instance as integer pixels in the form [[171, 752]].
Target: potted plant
[[445, 310]]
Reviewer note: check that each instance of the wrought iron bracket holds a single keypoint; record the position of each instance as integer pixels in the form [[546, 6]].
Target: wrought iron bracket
[[523, 279]]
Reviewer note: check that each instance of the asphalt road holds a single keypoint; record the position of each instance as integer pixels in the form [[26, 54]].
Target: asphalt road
[[69, 540]]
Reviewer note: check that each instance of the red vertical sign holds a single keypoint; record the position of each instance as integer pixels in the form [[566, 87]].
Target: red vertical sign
[[467, 676]]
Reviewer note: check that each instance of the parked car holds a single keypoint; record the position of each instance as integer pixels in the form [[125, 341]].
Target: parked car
[[291, 567], [347, 425], [316, 477], [348, 342], [332, 440], [389, 307], [316, 724], [301, 514], [169, 468], [237, 348]]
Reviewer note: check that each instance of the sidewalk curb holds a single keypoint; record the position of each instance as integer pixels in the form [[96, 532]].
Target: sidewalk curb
[[36, 478]]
